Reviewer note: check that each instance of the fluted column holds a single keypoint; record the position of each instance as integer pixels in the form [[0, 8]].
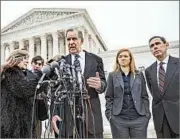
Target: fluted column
[[38, 46], [31, 48], [65, 44], [86, 40], [62, 46], [90, 44], [11, 46], [50, 47], [94, 47], [55, 43], [44, 47], [21, 44], [6, 51], [2, 53]]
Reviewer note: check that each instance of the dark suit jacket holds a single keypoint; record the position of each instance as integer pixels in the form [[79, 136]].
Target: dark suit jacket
[[168, 103], [93, 64], [115, 92]]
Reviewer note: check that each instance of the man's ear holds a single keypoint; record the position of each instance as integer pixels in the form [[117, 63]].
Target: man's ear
[[167, 45]]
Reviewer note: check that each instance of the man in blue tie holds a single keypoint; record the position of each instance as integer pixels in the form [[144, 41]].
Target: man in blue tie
[[91, 67], [163, 82]]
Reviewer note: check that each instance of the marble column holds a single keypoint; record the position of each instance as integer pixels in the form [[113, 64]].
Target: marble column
[[62, 45], [55, 43], [7, 51], [38, 46], [86, 40], [90, 44], [94, 47], [44, 47], [2, 53], [11, 46], [21, 44], [31, 48], [50, 47], [65, 44]]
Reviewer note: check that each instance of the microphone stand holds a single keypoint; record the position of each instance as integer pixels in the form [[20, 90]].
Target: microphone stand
[[82, 96]]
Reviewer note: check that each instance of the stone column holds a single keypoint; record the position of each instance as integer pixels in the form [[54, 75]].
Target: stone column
[[65, 44], [2, 53], [86, 40], [90, 44], [38, 46], [55, 43], [94, 47], [11, 46], [50, 47], [62, 46], [44, 47], [21, 44], [31, 48]]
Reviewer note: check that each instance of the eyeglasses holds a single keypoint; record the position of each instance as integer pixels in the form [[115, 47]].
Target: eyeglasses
[[73, 38]]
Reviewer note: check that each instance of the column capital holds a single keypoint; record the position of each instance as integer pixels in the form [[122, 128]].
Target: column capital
[[49, 38]]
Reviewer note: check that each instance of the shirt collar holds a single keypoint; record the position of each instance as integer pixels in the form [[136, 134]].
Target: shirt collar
[[81, 54], [165, 61]]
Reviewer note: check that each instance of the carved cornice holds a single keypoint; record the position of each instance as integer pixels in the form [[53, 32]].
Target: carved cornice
[[48, 22]]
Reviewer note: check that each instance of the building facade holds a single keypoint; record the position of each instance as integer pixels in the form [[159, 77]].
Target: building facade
[[41, 31]]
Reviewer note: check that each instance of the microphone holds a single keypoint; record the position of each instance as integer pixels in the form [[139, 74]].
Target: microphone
[[46, 69], [68, 69], [78, 70], [62, 62], [73, 72], [55, 65], [40, 80]]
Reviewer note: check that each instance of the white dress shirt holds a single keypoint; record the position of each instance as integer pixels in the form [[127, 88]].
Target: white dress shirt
[[81, 60], [165, 61]]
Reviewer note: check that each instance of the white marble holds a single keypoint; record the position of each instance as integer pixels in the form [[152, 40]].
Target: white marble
[[40, 22]]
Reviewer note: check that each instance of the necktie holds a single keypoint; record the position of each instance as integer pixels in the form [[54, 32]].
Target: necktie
[[161, 77], [76, 61]]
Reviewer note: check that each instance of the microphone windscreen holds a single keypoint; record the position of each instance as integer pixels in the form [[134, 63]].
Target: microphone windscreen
[[46, 69], [54, 65]]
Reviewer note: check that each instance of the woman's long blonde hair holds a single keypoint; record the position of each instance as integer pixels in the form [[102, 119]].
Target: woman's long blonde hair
[[132, 62]]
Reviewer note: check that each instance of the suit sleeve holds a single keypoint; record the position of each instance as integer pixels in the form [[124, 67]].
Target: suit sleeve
[[148, 80], [100, 69], [109, 95], [145, 96]]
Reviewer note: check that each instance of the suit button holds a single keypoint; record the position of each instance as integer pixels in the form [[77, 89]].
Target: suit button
[[135, 101]]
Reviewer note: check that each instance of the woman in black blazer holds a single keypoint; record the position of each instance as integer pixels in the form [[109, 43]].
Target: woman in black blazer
[[127, 103]]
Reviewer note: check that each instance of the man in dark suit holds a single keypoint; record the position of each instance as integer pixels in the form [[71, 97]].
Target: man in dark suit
[[92, 69], [163, 82]]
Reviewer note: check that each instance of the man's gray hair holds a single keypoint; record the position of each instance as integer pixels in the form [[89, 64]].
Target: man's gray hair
[[79, 32]]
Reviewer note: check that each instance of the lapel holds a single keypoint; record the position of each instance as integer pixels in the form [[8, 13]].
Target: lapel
[[131, 79], [154, 75], [171, 68], [119, 79], [88, 64]]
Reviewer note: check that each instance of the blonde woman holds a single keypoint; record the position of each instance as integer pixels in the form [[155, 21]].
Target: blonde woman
[[127, 104]]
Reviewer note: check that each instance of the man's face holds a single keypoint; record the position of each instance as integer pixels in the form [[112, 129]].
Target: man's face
[[158, 48], [74, 43], [37, 65]]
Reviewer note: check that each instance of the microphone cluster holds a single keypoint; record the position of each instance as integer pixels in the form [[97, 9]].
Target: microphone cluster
[[69, 85]]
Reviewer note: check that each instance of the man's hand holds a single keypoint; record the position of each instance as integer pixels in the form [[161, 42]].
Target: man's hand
[[94, 82], [54, 125]]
